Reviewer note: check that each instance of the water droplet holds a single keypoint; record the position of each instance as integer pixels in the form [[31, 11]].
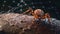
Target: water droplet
[[32, 3], [21, 0], [49, 1], [43, 6], [20, 9], [3, 5], [13, 1], [33, 7], [18, 4], [4, 1]]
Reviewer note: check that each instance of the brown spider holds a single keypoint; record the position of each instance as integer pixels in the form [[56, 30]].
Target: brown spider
[[38, 13]]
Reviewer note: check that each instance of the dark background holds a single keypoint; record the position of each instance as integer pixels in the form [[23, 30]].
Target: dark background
[[19, 6]]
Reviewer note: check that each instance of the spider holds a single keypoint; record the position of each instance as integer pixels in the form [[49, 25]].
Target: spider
[[38, 13]]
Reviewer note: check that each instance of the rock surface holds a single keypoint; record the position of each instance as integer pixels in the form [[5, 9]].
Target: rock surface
[[13, 23]]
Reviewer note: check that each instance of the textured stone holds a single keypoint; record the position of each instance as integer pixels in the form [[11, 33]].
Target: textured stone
[[13, 23]]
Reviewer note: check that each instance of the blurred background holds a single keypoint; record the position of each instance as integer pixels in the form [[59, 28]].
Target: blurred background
[[19, 6]]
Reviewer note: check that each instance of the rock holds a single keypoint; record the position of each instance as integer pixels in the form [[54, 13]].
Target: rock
[[13, 23]]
